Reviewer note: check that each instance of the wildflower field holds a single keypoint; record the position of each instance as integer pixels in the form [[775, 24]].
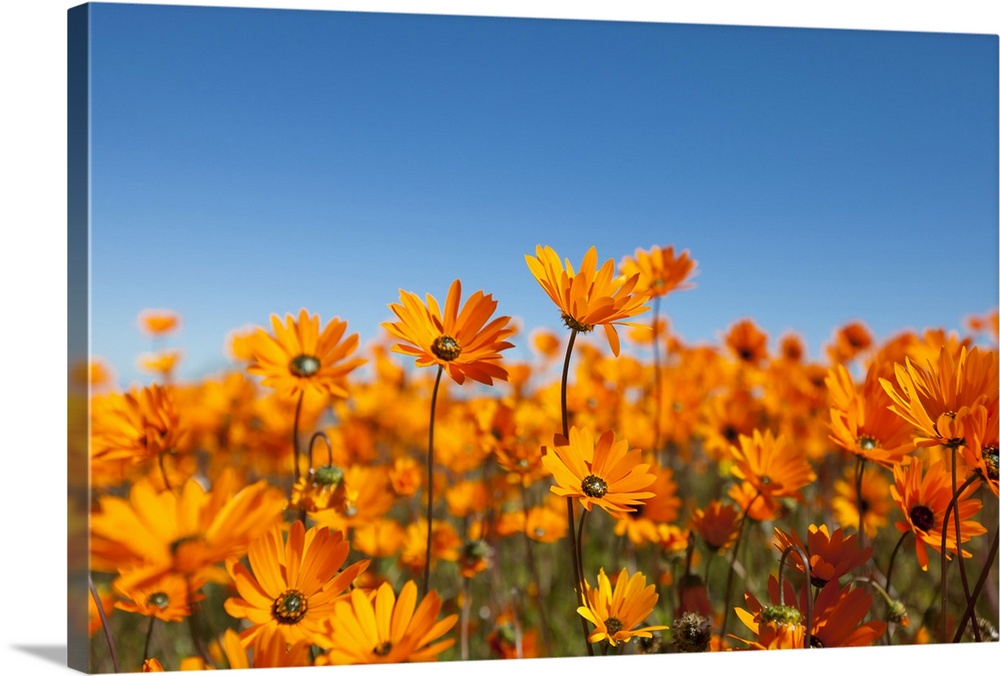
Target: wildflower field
[[426, 498]]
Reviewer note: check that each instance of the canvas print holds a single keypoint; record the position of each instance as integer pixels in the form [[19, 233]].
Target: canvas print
[[410, 338]]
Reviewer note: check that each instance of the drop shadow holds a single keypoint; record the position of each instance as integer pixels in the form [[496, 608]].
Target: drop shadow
[[49, 653]]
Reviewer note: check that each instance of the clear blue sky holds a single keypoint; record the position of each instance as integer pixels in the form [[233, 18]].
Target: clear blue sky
[[248, 162]]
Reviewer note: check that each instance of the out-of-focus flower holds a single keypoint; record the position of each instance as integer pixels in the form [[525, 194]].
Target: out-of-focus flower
[[158, 323], [660, 270], [830, 556]]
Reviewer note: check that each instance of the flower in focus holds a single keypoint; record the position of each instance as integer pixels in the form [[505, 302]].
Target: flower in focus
[[830, 556], [590, 297], [981, 443], [605, 474], [379, 628], [616, 613], [660, 270], [924, 499], [299, 358], [459, 341], [294, 585], [935, 398]]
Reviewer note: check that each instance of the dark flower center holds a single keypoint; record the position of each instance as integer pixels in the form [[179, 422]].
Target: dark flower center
[[866, 443], [730, 434], [159, 599], [746, 354], [614, 625], [594, 486], [815, 642], [290, 607], [692, 633], [304, 366], [576, 325], [446, 348], [922, 517], [382, 649]]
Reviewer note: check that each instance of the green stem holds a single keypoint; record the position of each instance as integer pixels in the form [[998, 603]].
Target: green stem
[[149, 636], [859, 472], [732, 567], [104, 624], [978, 590], [808, 582], [430, 481], [953, 504]]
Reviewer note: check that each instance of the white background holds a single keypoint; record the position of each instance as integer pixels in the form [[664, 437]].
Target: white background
[[33, 332]]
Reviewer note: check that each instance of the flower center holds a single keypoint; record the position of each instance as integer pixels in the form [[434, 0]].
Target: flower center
[[614, 625], [328, 475], [594, 486], [576, 325], [159, 599], [746, 354], [304, 366], [290, 607], [922, 517], [815, 642], [446, 348], [781, 615], [866, 443], [382, 649]]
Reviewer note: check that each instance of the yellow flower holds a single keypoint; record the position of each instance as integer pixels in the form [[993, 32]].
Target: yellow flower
[[616, 613], [379, 628]]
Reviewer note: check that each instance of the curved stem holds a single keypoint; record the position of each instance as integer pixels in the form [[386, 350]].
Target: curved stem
[[953, 504], [808, 581], [979, 588], [329, 448], [563, 385], [579, 550], [732, 562], [295, 438], [104, 623], [892, 560], [430, 481]]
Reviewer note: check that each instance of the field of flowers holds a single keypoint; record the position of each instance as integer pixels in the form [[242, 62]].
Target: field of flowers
[[425, 498]]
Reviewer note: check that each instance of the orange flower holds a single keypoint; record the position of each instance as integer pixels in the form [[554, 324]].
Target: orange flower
[[616, 613], [299, 358], [590, 297], [773, 466], [747, 342], [924, 499], [717, 524], [163, 362], [379, 628], [294, 586], [981, 443], [830, 556], [606, 474], [849, 341], [934, 399], [862, 422], [168, 598], [875, 497], [158, 322], [660, 270], [137, 426], [461, 342]]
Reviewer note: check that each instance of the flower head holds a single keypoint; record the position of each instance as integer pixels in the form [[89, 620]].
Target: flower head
[[298, 357], [660, 270], [294, 584], [775, 467], [830, 556], [590, 297], [460, 341], [617, 613], [605, 474], [377, 628]]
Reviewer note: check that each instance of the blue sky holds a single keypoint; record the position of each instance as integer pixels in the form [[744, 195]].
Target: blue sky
[[248, 162]]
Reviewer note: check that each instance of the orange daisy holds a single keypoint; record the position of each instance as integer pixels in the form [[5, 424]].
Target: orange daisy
[[935, 398], [158, 322], [378, 628], [590, 297], [299, 358], [717, 524], [137, 426], [660, 270], [772, 465], [605, 474], [617, 613], [924, 499], [294, 585], [460, 341], [981, 443], [747, 342], [830, 556]]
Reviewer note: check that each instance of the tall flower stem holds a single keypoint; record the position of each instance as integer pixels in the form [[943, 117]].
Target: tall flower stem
[[104, 624], [430, 481], [732, 564], [970, 607], [953, 505], [533, 569], [578, 584], [466, 609], [657, 380], [149, 636], [888, 573], [295, 439]]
